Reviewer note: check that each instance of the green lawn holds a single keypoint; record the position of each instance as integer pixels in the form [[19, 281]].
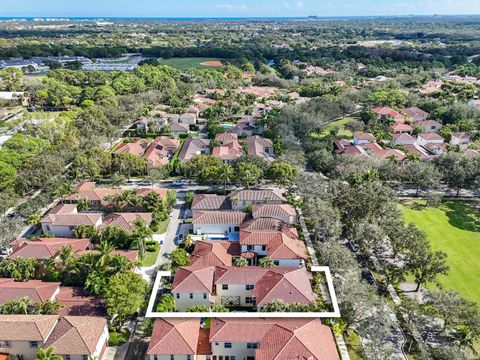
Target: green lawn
[[354, 346], [162, 228], [453, 228], [340, 124], [150, 258], [118, 338], [185, 63]]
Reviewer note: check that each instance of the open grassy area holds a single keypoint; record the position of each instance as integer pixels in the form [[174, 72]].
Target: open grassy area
[[340, 124], [118, 338], [162, 227], [354, 346], [150, 258], [185, 63], [453, 228]]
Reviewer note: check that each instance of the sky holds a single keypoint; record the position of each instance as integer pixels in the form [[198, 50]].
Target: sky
[[233, 8]]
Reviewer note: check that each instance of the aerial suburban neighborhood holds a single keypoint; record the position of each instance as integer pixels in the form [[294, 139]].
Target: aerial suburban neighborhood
[[256, 181]]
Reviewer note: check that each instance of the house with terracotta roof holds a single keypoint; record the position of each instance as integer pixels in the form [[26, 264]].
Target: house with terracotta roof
[[177, 128], [194, 146], [418, 150], [35, 290], [226, 138], [272, 339], [230, 339], [400, 128], [214, 253], [260, 146], [229, 152], [415, 114], [160, 151], [388, 113], [64, 218], [217, 224], [282, 212], [73, 337], [360, 138], [188, 118], [178, 339], [45, 248], [96, 196], [244, 198], [246, 126], [241, 286], [283, 247], [211, 202], [403, 139], [126, 220], [429, 126], [136, 147]]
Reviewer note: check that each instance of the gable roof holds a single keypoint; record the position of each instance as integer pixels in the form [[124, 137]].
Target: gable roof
[[364, 136], [268, 210], [76, 335], [403, 137], [174, 337], [35, 290], [226, 138], [126, 220], [231, 151], [386, 111], [415, 111], [66, 215], [210, 202], [44, 248], [214, 253], [26, 327], [256, 146], [257, 195], [431, 136], [136, 147], [218, 217], [284, 247], [193, 279], [398, 126], [278, 339], [193, 146]]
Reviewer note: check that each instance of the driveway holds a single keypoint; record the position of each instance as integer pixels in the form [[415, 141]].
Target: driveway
[[148, 273]]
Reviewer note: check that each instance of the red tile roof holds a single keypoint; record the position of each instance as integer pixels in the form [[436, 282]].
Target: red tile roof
[[364, 136], [136, 147], [210, 202], [279, 339], [265, 195], [218, 217], [228, 152], [284, 247], [194, 279], [35, 290], [44, 248], [78, 303], [66, 215], [175, 337], [256, 146], [214, 253], [267, 210], [386, 111]]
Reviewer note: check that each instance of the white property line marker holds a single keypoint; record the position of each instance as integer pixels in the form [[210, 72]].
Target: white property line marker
[[335, 314]]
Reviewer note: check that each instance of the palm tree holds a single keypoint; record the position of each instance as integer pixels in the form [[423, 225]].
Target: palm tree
[[226, 174], [64, 255], [105, 248], [266, 262], [63, 190], [240, 262], [141, 233], [21, 305], [48, 354]]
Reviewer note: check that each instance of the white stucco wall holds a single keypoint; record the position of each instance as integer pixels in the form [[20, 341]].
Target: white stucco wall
[[21, 348], [233, 290], [214, 228], [239, 350], [60, 231], [185, 302]]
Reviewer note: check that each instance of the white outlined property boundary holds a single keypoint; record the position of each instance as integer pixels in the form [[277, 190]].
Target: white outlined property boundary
[[335, 314]]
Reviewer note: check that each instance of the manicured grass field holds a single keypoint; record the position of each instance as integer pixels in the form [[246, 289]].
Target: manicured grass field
[[185, 63], [453, 228]]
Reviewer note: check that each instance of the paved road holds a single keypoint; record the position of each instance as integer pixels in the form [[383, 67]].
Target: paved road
[[148, 273]]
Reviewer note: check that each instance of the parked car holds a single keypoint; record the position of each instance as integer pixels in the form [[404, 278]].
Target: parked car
[[177, 240], [178, 183], [194, 183], [5, 251], [181, 236]]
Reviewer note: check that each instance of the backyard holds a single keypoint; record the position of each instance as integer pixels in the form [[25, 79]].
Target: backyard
[[453, 228]]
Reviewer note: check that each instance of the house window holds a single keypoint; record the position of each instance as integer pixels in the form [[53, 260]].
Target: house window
[[252, 345], [232, 357], [34, 344], [264, 247], [178, 295], [191, 296], [205, 296], [249, 300], [155, 357], [249, 247], [249, 287], [4, 344], [224, 286], [276, 262], [237, 229], [84, 357], [66, 357], [172, 357], [227, 345], [189, 357]]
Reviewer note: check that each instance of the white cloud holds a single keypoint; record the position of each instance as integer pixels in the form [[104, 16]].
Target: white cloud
[[232, 7]]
